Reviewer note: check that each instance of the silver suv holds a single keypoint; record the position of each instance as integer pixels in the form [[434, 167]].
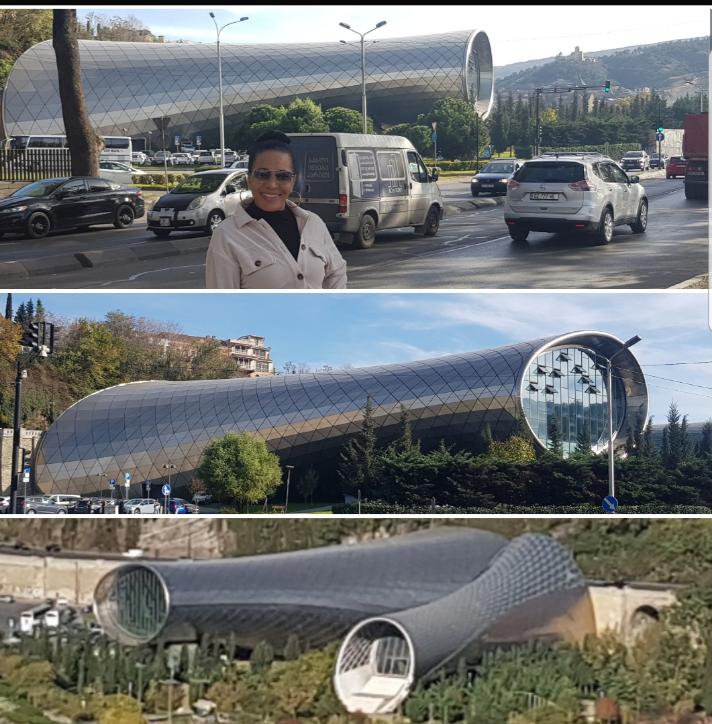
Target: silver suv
[[574, 192]]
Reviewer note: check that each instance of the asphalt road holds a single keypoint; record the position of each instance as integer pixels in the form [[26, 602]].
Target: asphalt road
[[472, 251]]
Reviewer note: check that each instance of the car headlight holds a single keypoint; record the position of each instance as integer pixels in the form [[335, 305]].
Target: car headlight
[[14, 210], [197, 202], [475, 181]]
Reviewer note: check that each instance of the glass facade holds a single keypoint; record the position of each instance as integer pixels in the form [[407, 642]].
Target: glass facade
[[307, 418], [565, 389], [133, 85]]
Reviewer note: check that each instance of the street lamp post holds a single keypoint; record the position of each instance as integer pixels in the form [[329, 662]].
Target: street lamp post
[[692, 83], [286, 497], [609, 365], [168, 467], [363, 67], [222, 119]]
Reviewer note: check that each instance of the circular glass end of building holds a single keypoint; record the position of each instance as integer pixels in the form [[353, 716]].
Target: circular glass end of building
[[131, 604], [564, 397], [479, 73]]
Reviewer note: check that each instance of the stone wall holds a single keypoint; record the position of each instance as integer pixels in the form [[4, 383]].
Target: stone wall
[[28, 439]]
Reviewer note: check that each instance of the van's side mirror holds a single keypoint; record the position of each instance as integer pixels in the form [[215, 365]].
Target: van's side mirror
[[230, 189], [634, 179], [434, 175]]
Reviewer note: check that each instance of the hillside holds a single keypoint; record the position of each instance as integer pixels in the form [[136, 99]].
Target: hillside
[[672, 551], [662, 66]]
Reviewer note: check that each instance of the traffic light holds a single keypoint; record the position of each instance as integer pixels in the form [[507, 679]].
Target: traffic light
[[607, 87], [48, 337], [661, 130], [32, 337]]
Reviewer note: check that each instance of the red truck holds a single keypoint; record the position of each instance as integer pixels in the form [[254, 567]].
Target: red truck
[[694, 149]]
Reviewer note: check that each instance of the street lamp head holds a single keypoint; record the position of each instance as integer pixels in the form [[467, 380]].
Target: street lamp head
[[381, 24], [632, 341], [212, 15], [344, 42], [344, 25], [241, 19]]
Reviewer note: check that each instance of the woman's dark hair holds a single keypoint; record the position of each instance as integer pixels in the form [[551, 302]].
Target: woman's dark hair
[[270, 141]]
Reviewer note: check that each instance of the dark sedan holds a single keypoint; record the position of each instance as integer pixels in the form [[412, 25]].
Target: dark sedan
[[494, 176], [66, 203]]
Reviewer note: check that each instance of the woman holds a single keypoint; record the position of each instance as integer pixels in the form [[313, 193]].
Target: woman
[[269, 242]]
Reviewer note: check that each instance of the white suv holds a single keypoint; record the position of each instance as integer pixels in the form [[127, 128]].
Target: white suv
[[574, 192]]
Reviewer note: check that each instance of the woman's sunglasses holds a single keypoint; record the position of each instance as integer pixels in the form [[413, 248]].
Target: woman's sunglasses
[[283, 177]]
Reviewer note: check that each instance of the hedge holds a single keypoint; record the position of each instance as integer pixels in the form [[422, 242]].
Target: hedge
[[376, 508]]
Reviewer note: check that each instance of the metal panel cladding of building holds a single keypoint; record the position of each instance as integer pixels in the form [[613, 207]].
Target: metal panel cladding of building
[[128, 85], [413, 603], [307, 418]]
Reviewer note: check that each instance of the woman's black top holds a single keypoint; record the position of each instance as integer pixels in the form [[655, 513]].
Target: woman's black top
[[284, 224]]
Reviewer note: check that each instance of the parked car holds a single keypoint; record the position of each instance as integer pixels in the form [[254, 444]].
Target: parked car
[[43, 506], [200, 201], [230, 157], [120, 173], [161, 158], [658, 161], [635, 160], [676, 166], [180, 505], [206, 157], [142, 506], [182, 159], [492, 179], [64, 499], [83, 506], [576, 193], [4, 503], [65, 203], [240, 163], [139, 158]]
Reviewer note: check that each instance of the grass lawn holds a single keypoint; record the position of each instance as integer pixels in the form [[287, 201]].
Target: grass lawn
[[278, 507]]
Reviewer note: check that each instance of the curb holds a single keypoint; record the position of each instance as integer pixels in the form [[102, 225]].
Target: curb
[[701, 281], [477, 203], [25, 268]]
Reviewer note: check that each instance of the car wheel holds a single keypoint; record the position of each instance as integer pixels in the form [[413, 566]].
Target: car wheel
[[365, 237], [30, 512], [432, 223], [641, 221], [38, 225], [161, 233], [124, 216], [519, 236], [136, 511], [605, 227], [62, 512], [215, 217]]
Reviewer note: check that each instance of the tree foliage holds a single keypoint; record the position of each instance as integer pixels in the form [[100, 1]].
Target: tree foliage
[[240, 468]]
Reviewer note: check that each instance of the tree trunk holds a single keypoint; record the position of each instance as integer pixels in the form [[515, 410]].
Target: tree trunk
[[84, 144]]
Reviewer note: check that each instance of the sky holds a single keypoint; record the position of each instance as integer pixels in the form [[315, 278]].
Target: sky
[[362, 329], [516, 33]]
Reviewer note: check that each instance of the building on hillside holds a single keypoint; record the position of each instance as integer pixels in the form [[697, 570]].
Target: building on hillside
[[130, 87], [249, 351], [553, 387]]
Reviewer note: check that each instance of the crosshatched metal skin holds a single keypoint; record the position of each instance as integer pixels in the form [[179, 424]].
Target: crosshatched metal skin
[[437, 593], [306, 419], [127, 85], [532, 588], [315, 593]]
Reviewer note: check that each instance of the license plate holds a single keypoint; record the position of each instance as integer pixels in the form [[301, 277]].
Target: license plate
[[487, 186], [543, 197], [165, 221]]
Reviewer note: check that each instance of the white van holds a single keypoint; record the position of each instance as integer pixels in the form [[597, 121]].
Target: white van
[[360, 183], [64, 500]]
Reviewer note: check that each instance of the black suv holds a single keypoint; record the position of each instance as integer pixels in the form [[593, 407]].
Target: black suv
[[66, 203]]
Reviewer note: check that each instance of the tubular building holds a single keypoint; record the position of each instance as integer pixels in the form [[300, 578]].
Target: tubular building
[[139, 428], [404, 607], [130, 87]]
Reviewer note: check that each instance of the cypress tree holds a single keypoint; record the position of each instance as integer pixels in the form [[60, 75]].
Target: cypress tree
[[261, 657], [8, 306], [706, 439], [29, 311], [39, 311], [292, 649], [405, 440], [20, 316], [555, 444]]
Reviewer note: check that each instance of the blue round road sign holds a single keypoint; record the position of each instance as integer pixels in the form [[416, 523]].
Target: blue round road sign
[[609, 504], [659, 136], [112, 483], [166, 489]]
